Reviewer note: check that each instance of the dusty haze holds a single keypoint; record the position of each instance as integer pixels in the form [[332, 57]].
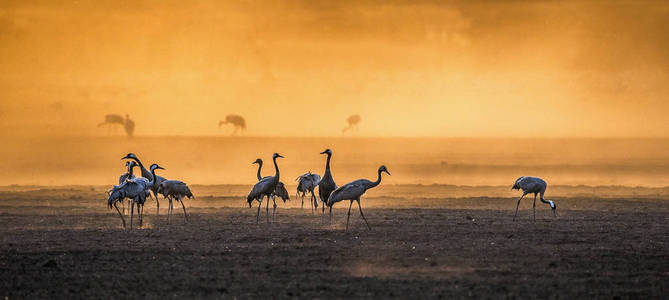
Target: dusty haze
[[299, 68], [558, 89]]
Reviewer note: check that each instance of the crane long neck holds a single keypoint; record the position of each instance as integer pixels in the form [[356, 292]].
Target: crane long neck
[[130, 170], [145, 172], [327, 164], [377, 182], [153, 177], [259, 167], [276, 169]]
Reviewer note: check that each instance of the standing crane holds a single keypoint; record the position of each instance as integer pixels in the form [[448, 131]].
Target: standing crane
[[532, 185], [280, 189], [177, 190], [130, 165], [327, 183], [147, 174], [353, 191], [307, 182], [265, 187], [137, 189]]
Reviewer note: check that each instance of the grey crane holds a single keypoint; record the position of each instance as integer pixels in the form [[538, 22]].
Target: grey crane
[[136, 189], [130, 165], [307, 182], [353, 191], [236, 120], [265, 187], [177, 190], [280, 189], [532, 185], [147, 174], [327, 183]]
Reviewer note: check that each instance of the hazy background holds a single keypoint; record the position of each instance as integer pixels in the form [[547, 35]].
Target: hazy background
[[299, 68], [455, 92]]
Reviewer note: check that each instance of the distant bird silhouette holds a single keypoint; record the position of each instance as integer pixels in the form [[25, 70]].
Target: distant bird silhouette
[[532, 185], [147, 174], [327, 183], [353, 122], [353, 191], [236, 120], [279, 191], [137, 189], [265, 187], [177, 190], [113, 120], [307, 182]]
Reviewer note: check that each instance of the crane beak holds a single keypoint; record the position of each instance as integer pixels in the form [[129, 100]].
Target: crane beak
[[159, 167], [280, 156], [387, 172], [323, 152]]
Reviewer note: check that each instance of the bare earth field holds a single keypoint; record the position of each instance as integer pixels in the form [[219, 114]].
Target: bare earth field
[[65, 243]]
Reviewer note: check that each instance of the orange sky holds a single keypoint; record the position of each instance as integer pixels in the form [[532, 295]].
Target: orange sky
[[299, 68]]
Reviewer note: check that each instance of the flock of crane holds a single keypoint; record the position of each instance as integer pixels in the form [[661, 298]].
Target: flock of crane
[[137, 189]]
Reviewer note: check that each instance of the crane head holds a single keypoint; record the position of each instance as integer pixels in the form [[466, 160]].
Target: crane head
[[553, 207], [276, 155], [156, 166], [130, 156], [327, 151], [258, 161], [384, 169]]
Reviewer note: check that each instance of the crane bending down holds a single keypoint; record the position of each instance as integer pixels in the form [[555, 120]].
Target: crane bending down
[[137, 189], [353, 121], [307, 182], [327, 183], [147, 174], [265, 187], [353, 191], [236, 120], [532, 185], [280, 189], [177, 190], [111, 120]]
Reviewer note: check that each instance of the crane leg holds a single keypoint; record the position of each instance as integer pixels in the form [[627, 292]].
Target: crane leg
[[330, 214], [139, 214], [155, 195], [302, 203], [132, 213], [363, 215], [273, 208], [259, 206], [267, 209], [314, 201], [184, 207], [170, 206], [516, 214], [120, 215], [534, 208], [349, 214]]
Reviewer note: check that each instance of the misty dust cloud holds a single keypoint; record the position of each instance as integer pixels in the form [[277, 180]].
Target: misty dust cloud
[[462, 92]]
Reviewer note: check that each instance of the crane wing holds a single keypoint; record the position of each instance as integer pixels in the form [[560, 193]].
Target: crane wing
[[349, 191], [261, 188]]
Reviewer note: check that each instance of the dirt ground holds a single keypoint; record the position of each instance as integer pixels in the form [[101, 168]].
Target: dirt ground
[[58, 243]]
